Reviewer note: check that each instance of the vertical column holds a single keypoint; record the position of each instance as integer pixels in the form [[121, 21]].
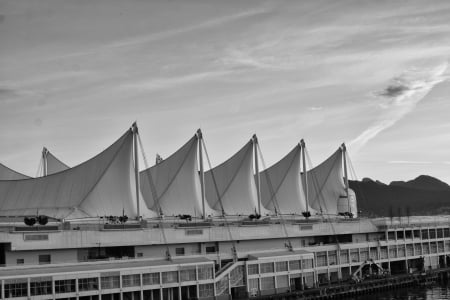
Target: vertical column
[[344, 154], [202, 172], [258, 183], [44, 161], [136, 168], [305, 174]]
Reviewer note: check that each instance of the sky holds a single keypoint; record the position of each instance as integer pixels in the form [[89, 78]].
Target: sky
[[75, 74]]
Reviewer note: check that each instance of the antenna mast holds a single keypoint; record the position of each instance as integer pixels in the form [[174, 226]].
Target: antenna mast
[[134, 129], [202, 172], [44, 161], [344, 154], [305, 176], [258, 183]]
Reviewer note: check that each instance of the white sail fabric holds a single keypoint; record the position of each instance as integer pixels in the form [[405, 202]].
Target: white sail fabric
[[281, 189], [54, 165], [234, 184], [9, 174], [100, 186], [176, 184], [326, 184]]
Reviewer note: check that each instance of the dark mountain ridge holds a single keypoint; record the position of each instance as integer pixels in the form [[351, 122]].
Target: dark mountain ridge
[[424, 195]]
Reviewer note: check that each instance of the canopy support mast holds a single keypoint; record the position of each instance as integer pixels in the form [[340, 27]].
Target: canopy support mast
[[202, 172], [44, 161], [344, 154], [134, 129], [305, 176], [258, 181]]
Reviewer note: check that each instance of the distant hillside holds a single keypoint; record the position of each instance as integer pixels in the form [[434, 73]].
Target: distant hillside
[[423, 182], [424, 195]]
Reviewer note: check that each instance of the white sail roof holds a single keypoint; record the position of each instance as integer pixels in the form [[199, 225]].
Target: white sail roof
[[54, 165], [326, 184], [176, 183], [100, 186], [234, 184], [9, 174], [281, 188]]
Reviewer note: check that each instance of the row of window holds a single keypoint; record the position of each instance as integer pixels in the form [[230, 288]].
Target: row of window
[[432, 233], [43, 286], [280, 266]]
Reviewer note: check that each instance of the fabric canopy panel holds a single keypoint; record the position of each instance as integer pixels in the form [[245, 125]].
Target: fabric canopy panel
[[9, 174], [54, 165], [100, 186], [281, 189], [326, 184], [234, 185], [176, 184]]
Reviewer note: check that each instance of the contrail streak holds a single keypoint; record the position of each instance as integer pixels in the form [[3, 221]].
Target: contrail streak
[[409, 90]]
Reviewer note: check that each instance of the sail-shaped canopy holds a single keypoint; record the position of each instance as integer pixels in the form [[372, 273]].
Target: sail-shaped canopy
[[53, 164], [100, 186], [172, 186], [9, 174], [326, 184], [234, 184], [281, 189]]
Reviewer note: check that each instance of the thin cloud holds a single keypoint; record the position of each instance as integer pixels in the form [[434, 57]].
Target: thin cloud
[[169, 33], [398, 100], [410, 162], [165, 83]]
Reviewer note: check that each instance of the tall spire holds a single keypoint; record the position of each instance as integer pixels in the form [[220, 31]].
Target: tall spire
[[305, 176], [258, 182], [344, 156], [202, 172], [135, 131], [44, 161]]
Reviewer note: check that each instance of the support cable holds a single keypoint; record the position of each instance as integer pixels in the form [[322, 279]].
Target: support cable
[[227, 225], [274, 199], [155, 197]]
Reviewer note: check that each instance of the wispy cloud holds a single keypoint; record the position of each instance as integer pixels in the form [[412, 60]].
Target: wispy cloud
[[410, 162], [164, 83], [399, 99], [135, 41]]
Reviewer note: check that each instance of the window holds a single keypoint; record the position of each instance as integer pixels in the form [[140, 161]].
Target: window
[[210, 249], [294, 265], [110, 282], [139, 254], [321, 259], [307, 263], [206, 290], [187, 275], [267, 268], [179, 251], [131, 280], [16, 288], [267, 283], [282, 281], [170, 277], [205, 272], [150, 278], [88, 284], [281, 266], [252, 269], [65, 286], [41, 286], [44, 259], [20, 261]]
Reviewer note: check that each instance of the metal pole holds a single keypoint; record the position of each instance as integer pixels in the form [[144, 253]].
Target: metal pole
[[136, 168], [44, 161], [202, 173], [258, 184], [305, 174], [344, 154]]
